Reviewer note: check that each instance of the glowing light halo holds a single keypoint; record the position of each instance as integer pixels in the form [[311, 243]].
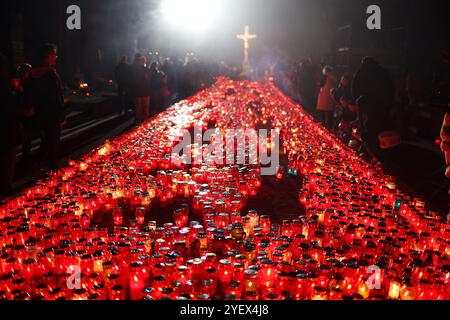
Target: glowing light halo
[[189, 15]]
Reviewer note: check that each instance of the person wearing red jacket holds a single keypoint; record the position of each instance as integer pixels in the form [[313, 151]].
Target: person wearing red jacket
[[141, 88]]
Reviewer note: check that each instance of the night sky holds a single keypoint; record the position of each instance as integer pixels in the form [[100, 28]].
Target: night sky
[[297, 28], [286, 28]]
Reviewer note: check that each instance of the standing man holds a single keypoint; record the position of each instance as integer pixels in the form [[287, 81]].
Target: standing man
[[158, 87], [141, 88], [306, 86], [47, 96], [122, 74], [373, 91]]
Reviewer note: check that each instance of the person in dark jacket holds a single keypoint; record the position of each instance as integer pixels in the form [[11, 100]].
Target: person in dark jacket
[[9, 130], [168, 69], [158, 87], [170, 81], [47, 95], [122, 73], [141, 88], [306, 83], [373, 91]]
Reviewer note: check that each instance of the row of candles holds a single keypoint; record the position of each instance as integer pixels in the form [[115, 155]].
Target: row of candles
[[248, 258], [355, 220]]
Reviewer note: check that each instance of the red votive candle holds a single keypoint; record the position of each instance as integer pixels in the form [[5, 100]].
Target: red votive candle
[[136, 279], [118, 216]]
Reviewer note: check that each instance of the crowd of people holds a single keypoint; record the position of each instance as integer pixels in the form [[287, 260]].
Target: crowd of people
[[32, 101], [148, 87], [356, 107], [368, 110]]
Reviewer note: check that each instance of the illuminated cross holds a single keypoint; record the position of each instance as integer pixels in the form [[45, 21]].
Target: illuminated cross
[[246, 37]]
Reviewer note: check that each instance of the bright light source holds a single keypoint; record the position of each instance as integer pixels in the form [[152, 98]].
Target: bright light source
[[189, 15]]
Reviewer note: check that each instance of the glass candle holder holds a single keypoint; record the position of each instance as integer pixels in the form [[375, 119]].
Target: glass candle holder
[[137, 277], [117, 292], [139, 215], [80, 294], [407, 292], [203, 238], [247, 226], [254, 218], [264, 222], [225, 270], [236, 217], [180, 217], [238, 233], [148, 293], [394, 290], [118, 216], [250, 283], [319, 293], [222, 220], [233, 289], [159, 283]]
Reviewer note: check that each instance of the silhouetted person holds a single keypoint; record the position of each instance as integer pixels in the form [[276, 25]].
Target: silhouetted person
[[316, 71], [47, 95], [374, 93], [141, 88], [169, 70], [306, 82], [192, 78], [9, 130], [122, 73], [346, 104], [416, 89], [158, 89]]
